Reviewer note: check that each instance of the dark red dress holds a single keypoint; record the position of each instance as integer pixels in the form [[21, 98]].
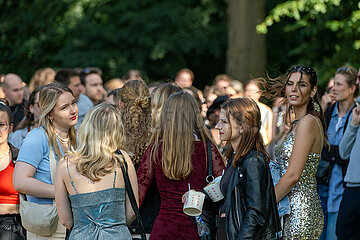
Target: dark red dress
[[171, 222]]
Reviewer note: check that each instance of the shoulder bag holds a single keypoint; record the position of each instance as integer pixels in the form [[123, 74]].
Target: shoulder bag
[[41, 219], [131, 195]]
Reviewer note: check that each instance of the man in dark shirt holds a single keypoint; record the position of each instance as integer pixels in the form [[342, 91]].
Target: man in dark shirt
[[13, 88]]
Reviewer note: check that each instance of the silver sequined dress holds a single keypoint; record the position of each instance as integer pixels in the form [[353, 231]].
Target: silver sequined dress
[[306, 218]]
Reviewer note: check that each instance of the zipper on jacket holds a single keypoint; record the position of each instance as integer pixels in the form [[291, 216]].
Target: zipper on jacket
[[236, 205]]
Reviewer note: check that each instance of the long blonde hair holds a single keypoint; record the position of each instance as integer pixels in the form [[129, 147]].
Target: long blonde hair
[[180, 120], [100, 134], [136, 115], [48, 98], [159, 97]]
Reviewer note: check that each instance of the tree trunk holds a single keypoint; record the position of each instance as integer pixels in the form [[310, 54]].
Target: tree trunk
[[246, 54]]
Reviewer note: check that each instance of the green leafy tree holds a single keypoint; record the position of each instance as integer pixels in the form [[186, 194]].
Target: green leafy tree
[[157, 37], [31, 32], [321, 33]]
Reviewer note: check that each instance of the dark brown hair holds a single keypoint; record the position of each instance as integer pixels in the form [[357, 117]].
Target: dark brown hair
[[273, 88]]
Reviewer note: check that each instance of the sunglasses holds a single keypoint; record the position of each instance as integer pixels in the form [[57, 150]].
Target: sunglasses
[[342, 69]]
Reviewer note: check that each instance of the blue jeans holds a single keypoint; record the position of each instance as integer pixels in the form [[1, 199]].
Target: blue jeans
[[329, 217]]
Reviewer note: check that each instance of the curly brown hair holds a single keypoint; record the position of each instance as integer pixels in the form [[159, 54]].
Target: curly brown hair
[[136, 116]]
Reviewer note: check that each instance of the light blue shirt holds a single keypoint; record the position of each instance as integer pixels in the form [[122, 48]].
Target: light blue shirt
[[284, 204], [16, 138], [35, 151], [350, 148], [335, 133], [84, 104]]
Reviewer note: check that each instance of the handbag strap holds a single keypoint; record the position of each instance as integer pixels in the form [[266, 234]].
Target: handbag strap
[[52, 163], [131, 195], [209, 178]]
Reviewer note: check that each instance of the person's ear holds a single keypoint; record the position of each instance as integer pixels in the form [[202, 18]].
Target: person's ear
[[241, 129], [11, 126], [31, 108], [121, 104], [51, 119], [313, 91], [353, 89]]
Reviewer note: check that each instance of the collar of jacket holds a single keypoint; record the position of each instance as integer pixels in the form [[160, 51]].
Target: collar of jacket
[[14, 152]]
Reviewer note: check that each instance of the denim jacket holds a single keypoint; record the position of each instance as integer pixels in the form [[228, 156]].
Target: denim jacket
[[284, 204]]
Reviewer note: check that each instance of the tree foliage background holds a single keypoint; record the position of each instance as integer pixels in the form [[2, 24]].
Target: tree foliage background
[[320, 33], [159, 37]]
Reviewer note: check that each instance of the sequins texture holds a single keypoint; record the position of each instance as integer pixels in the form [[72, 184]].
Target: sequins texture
[[306, 219]]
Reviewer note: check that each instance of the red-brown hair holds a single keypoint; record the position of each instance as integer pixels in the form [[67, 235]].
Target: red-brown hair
[[244, 112]]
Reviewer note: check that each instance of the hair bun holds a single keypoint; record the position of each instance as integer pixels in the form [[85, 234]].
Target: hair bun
[[142, 102]]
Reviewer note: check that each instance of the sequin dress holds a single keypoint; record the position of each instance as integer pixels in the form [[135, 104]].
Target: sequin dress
[[306, 218]]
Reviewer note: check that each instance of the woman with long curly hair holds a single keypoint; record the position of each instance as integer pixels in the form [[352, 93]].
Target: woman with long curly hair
[[135, 107]]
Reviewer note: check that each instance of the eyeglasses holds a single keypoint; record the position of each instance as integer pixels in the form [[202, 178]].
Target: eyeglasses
[[342, 69], [346, 70]]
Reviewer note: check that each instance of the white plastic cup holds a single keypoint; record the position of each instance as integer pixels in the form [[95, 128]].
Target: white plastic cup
[[213, 190], [193, 203]]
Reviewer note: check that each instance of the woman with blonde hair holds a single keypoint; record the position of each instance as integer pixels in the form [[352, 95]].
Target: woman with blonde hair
[[177, 156], [33, 174], [89, 185], [135, 108], [159, 97], [42, 76]]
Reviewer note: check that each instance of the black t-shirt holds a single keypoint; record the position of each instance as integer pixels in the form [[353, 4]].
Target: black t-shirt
[[18, 113]]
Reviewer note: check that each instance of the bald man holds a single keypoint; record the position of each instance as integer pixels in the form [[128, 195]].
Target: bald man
[[14, 93]]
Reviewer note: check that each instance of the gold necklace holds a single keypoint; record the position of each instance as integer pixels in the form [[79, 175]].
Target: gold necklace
[[63, 140]]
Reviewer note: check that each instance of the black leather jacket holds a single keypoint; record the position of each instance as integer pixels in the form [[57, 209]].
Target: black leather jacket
[[250, 203], [14, 152]]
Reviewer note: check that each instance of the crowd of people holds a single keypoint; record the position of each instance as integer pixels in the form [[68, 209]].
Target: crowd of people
[[80, 159]]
